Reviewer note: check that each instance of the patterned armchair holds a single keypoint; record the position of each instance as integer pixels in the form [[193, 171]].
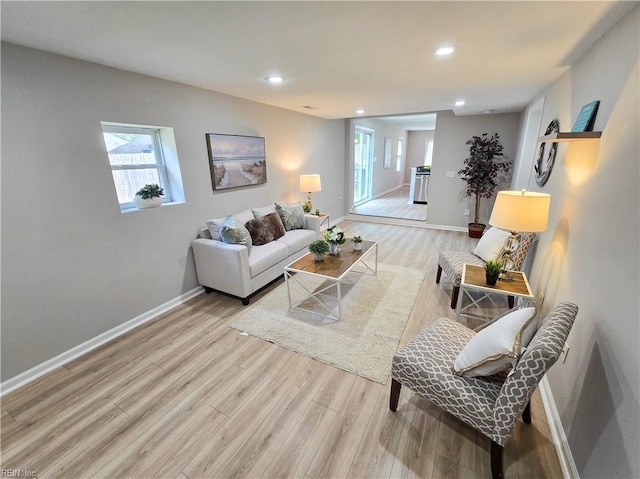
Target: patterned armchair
[[490, 404], [451, 263]]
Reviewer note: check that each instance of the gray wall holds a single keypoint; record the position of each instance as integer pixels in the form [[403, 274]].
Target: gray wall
[[446, 195], [416, 142], [589, 255], [73, 266]]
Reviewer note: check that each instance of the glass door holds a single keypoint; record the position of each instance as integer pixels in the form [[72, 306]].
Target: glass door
[[362, 165]]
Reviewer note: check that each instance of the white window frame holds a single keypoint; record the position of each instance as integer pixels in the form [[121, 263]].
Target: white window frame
[[399, 154], [428, 152], [160, 164]]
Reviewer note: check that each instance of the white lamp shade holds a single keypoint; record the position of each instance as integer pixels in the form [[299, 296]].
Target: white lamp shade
[[521, 211], [310, 183]]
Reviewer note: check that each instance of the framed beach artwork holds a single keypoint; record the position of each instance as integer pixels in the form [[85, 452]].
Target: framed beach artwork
[[236, 160]]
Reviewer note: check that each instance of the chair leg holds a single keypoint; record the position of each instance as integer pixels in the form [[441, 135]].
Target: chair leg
[[526, 414], [438, 274], [496, 460], [395, 394], [511, 301], [454, 297]]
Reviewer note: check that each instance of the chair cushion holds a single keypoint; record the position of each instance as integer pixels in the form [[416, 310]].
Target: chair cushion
[[498, 346], [292, 215], [265, 229], [424, 366], [491, 244], [452, 262]]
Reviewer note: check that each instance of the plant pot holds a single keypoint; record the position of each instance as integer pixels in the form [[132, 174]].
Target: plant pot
[[476, 230], [491, 280], [147, 203], [318, 257], [334, 249], [357, 246]]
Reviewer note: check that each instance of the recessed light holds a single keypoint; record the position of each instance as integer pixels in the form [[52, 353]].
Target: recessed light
[[443, 51], [360, 111], [460, 102], [274, 79]]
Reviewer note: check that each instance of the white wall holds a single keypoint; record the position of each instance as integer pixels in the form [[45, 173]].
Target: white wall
[[73, 266], [590, 255], [446, 195]]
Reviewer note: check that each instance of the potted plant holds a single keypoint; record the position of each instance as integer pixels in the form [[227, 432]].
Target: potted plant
[[480, 173], [149, 196], [335, 237], [357, 243], [319, 248], [492, 270]]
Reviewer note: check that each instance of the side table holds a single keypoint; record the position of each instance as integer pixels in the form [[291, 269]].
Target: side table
[[473, 280]]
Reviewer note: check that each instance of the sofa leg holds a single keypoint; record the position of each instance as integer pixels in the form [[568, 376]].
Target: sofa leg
[[208, 290], [526, 414], [454, 297], [496, 460], [395, 394], [511, 301], [245, 301], [438, 274]]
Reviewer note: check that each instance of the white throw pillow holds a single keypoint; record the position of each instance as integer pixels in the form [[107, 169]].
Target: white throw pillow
[[264, 211], [491, 244], [497, 347]]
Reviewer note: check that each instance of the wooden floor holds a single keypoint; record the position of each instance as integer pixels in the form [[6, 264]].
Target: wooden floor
[[394, 204], [185, 396]]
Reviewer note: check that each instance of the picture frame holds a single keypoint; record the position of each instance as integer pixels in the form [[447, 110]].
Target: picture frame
[[586, 118], [387, 153], [236, 160]]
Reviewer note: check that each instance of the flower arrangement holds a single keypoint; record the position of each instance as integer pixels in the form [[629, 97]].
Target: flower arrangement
[[335, 235]]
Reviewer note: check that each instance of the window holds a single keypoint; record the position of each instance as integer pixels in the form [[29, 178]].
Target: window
[[399, 154], [136, 155], [428, 152]]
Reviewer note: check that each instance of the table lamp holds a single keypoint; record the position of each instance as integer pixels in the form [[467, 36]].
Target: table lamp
[[310, 184], [519, 212]]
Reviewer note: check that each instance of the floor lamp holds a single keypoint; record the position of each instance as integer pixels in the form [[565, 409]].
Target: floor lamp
[[519, 212], [310, 184]]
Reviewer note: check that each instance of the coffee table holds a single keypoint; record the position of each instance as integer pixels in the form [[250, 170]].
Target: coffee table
[[333, 269]]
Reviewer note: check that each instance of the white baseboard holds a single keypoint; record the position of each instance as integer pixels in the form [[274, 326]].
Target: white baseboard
[[77, 351], [567, 464]]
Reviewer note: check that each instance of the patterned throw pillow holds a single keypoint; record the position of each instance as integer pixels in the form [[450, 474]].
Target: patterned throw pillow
[[292, 215], [233, 232], [265, 229], [498, 346]]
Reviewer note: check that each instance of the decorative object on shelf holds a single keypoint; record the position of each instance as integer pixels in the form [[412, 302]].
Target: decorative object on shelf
[[317, 212], [319, 248], [335, 237], [149, 196], [387, 153], [492, 270], [310, 184], [480, 172], [357, 243], [236, 160], [519, 212], [543, 171], [587, 117]]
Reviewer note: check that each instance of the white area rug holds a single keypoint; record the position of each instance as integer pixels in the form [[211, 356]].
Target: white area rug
[[375, 310]]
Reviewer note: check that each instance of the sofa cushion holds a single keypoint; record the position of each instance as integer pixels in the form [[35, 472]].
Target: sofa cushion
[[264, 211], [264, 256], [292, 215], [297, 240], [233, 232], [215, 224], [265, 229]]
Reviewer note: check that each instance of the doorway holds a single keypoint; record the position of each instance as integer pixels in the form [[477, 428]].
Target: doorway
[[362, 165]]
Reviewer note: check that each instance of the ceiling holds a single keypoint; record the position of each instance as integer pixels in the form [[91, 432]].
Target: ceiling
[[336, 56]]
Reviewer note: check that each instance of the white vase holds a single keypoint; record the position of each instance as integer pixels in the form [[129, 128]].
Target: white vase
[[334, 249], [357, 246], [147, 203]]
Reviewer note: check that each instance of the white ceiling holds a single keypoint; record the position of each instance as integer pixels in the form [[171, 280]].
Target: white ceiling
[[336, 56]]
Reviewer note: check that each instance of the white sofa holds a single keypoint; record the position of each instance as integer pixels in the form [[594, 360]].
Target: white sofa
[[237, 271]]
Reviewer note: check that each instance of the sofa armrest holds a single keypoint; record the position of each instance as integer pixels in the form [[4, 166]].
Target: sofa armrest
[[223, 267], [313, 223]]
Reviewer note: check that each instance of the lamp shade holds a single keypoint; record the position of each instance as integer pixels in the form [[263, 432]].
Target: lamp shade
[[521, 211], [310, 183]]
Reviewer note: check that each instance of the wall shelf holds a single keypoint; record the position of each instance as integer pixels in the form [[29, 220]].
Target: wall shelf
[[568, 136]]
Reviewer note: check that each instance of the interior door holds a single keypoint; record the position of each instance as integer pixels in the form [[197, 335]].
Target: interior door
[[362, 165]]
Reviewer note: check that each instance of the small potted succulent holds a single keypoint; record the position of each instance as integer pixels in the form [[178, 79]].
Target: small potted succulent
[[357, 243], [319, 248], [492, 269], [149, 196]]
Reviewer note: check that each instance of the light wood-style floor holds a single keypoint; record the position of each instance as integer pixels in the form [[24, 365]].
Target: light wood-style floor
[[394, 204], [185, 396]]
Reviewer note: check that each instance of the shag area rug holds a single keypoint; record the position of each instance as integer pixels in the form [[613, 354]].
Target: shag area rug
[[375, 310]]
